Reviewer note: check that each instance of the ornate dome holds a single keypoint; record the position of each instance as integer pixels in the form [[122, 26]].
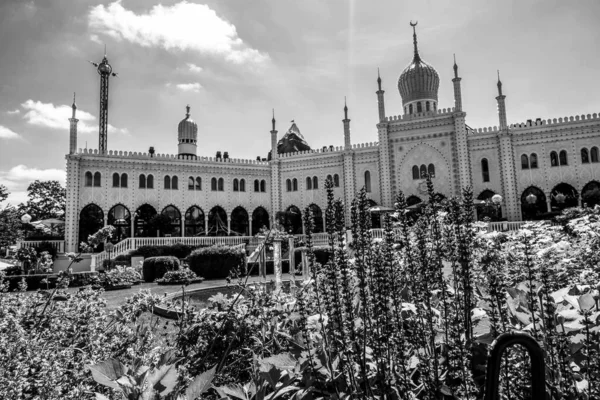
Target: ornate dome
[[418, 81], [187, 131]]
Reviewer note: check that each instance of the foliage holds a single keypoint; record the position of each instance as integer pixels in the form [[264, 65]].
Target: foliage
[[183, 276], [591, 197], [156, 267], [119, 276], [10, 226], [216, 262], [47, 199], [178, 250], [160, 223], [3, 193]]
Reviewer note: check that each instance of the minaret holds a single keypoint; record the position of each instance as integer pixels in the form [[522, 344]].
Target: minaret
[[501, 105], [346, 121], [457, 93], [273, 138], [380, 102], [73, 129]]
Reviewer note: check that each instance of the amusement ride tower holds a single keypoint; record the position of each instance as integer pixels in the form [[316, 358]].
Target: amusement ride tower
[[105, 71]]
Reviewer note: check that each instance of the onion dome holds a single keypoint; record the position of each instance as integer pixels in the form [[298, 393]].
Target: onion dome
[[418, 81], [292, 141], [187, 131]]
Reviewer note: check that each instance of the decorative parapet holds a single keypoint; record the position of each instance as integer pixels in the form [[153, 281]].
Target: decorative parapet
[[489, 129], [328, 150], [555, 121], [171, 157], [426, 114]]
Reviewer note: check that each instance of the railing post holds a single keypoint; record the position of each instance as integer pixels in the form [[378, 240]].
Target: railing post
[[277, 263]]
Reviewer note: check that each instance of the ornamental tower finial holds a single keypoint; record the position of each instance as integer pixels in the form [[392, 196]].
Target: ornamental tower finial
[[273, 119], [416, 57], [378, 79], [187, 111], [455, 67], [345, 109], [499, 84]]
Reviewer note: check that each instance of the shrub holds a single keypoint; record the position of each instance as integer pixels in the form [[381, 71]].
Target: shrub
[[156, 267], [178, 250], [183, 275], [47, 246], [217, 261]]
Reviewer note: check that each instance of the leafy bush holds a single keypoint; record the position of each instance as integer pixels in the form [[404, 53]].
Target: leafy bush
[[178, 250], [216, 262], [157, 267], [119, 276], [183, 275]]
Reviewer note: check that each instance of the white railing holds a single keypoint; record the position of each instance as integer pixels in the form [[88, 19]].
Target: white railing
[[59, 245], [506, 226]]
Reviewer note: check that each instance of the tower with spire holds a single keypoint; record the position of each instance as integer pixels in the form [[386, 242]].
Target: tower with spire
[[187, 135], [457, 92], [105, 71], [501, 105], [73, 128], [380, 100], [346, 121], [276, 181], [273, 138]]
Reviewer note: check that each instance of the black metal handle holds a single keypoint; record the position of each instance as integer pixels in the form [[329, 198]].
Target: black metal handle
[[538, 367]]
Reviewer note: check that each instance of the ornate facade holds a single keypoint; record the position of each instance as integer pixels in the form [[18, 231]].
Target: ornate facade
[[538, 167]]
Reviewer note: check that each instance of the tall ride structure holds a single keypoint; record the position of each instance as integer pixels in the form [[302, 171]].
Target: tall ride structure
[[105, 71]]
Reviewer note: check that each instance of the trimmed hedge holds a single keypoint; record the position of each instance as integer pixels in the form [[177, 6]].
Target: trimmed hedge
[[156, 267], [34, 282], [177, 250], [215, 262]]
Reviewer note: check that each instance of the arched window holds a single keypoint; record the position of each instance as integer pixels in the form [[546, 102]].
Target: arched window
[[524, 161], [423, 171], [295, 185], [198, 183], [485, 170], [256, 185], [410, 108], [194, 221], [174, 183], [221, 184], [263, 186], [585, 157], [367, 181], [242, 185], [213, 184], [167, 182], [120, 218], [123, 180], [415, 172], [142, 181], [336, 180], [175, 218], [594, 154], [562, 157], [91, 218], [88, 178], [191, 183], [150, 181], [288, 185], [431, 170], [553, 159], [427, 107], [329, 177], [97, 179], [533, 161], [315, 182], [116, 179], [419, 107], [308, 183], [236, 185]]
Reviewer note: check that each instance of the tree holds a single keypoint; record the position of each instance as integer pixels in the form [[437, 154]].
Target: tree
[[47, 199], [3, 193], [10, 222]]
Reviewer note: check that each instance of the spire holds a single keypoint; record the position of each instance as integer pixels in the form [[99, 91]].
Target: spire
[[187, 111], [455, 67], [416, 56], [74, 106], [345, 109], [499, 84], [273, 119], [378, 79]]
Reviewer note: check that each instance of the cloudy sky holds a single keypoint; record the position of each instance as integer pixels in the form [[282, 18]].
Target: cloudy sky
[[234, 61]]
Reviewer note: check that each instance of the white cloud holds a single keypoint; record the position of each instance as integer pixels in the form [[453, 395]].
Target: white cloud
[[194, 68], [18, 178], [189, 87], [182, 26], [17, 111], [6, 133], [57, 117], [95, 38]]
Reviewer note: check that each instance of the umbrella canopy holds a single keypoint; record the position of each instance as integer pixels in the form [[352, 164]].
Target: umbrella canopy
[[380, 209], [51, 221]]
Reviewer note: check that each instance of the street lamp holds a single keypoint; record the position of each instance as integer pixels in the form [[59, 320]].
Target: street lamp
[[497, 200], [531, 199], [26, 218]]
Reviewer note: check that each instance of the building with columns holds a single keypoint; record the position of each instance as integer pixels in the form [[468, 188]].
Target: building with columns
[[538, 167]]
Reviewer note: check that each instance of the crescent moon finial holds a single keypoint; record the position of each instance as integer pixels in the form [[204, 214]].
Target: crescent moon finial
[[413, 24]]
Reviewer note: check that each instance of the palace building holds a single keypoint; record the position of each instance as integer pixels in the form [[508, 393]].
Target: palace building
[[538, 167]]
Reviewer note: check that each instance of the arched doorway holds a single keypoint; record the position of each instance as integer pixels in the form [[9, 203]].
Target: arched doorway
[[143, 215], [533, 204], [194, 221], [375, 216], [317, 217], [413, 200], [486, 208], [91, 219], [291, 220], [590, 194], [260, 219], [175, 217], [120, 217], [217, 222], [239, 222], [563, 196]]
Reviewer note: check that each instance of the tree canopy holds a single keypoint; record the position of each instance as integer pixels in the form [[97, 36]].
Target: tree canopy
[[47, 199]]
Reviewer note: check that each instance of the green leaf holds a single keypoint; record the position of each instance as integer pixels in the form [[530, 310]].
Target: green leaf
[[107, 372], [163, 379], [200, 384], [586, 302], [236, 390], [283, 361]]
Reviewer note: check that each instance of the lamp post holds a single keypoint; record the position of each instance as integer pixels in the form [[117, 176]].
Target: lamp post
[[497, 200], [26, 218], [109, 247]]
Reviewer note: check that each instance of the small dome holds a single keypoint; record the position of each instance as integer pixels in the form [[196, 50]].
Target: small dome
[[419, 80], [187, 130]]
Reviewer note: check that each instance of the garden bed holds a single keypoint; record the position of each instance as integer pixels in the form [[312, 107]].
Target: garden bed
[[197, 280]]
